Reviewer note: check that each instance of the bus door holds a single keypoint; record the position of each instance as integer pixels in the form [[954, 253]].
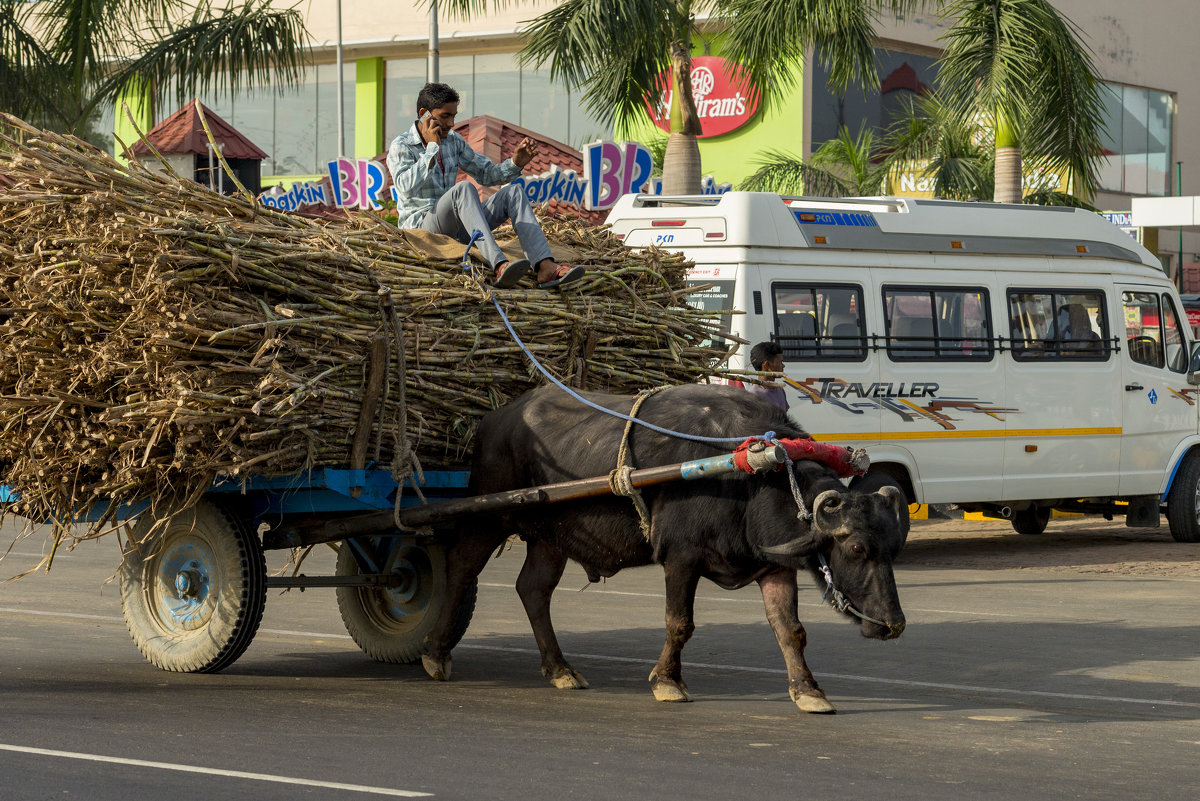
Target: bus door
[[1159, 407]]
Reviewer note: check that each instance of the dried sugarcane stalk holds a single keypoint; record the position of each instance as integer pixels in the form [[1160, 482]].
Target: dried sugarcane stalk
[[158, 336]]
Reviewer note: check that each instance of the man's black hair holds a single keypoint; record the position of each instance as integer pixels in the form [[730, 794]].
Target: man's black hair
[[764, 352], [435, 95]]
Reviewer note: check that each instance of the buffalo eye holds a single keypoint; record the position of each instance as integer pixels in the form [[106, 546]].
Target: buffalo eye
[[858, 549]]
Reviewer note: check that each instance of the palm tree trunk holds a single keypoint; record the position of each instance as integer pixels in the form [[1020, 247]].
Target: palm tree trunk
[[1008, 161], [681, 165], [681, 161], [1008, 175]]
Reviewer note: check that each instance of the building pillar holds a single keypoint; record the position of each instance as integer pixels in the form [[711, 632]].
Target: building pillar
[[368, 108], [140, 100]]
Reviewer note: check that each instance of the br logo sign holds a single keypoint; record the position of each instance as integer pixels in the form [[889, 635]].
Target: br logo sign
[[724, 101]]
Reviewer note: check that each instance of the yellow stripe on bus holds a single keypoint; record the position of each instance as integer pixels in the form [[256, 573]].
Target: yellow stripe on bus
[[1021, 432]]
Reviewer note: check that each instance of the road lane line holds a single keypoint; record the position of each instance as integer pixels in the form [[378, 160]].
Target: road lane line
[[232, 774], [709, 666]]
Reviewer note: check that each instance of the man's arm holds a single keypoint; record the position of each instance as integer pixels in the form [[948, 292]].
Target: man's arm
[[411, 173], [480, 167]]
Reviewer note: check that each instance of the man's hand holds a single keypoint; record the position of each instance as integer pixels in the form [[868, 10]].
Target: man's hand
[[525, 152], [429, 128]]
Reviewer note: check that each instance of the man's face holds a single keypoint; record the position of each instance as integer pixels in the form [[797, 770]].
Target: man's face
[[774, 364], [444, 116]]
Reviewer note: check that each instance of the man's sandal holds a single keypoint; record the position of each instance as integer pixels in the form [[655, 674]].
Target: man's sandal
[[563, 275], [510, 273]]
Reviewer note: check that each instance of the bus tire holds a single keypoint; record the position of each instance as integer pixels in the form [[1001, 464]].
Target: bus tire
[[1183, 504], [1032, 520]]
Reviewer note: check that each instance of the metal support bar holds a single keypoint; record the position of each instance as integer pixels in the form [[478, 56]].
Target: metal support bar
[[381, 523], [303, 581]]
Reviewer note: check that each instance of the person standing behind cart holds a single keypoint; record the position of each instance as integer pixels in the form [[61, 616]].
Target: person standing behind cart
[[424, 162], [767, 357]]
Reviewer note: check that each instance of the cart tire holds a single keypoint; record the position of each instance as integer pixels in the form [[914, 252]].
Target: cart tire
[[873, 481], [193, 592], [1183, 504], [1032, 520], [390, 623]]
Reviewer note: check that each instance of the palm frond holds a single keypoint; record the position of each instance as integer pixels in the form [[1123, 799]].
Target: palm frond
[[252, 45], [615, 50], [32, 83]]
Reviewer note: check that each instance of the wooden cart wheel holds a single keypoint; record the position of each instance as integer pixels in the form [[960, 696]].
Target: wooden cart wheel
[[193, 591], [390, 623]]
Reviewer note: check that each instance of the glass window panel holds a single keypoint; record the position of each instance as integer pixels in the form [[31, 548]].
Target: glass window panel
[[903, 76], [544, 105], [1058, 325], [327, 112], [1135, 138], [1110, 168], [584, 126], [935, 323], [403, 79], [1175, 341], [497, 87], [460, 73], [254, 118], [819, 322], [1143, 328], [1158, 147], [296, 130]]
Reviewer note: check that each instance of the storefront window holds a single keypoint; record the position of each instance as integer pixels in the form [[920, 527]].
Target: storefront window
[[902, 77], [1136, 140], [327, 112]]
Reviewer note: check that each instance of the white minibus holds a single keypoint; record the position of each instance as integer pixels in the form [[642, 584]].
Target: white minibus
[[1006, 359]]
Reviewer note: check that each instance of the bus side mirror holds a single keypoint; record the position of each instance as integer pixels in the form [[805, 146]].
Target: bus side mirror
[[1193, 375]]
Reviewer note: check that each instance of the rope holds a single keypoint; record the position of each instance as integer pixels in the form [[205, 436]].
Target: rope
[[835, 597], [467, 267], [620, 479], [404, 458]]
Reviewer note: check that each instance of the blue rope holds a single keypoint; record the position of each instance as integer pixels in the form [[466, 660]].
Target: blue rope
[[466, 265]]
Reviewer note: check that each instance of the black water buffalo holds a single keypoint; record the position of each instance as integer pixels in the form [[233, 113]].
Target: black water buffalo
[[731, 530]]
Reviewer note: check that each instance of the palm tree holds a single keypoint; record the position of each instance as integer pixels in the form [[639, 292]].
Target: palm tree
[[957, 152], [63, 61], [848, 166], [1021, 65], [615, 50]]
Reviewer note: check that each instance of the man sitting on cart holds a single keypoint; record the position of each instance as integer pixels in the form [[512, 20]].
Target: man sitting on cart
[[424, 162]]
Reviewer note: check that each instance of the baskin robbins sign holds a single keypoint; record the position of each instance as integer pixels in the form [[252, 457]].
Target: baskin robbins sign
[[724, 101], [609, 171]]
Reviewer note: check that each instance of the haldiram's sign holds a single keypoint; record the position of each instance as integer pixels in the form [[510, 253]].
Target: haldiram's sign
[[724, 102]]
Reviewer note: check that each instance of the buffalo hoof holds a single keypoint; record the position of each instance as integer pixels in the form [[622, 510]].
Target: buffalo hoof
[[668, 690], [568, 679], [437, 670], [814, 702]]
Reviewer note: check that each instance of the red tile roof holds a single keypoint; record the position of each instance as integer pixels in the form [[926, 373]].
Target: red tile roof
[[183, 133]]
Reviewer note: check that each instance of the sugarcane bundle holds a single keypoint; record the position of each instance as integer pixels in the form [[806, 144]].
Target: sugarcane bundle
[[158, 336]]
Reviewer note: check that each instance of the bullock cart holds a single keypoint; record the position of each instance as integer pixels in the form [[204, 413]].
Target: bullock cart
[[194, 582]]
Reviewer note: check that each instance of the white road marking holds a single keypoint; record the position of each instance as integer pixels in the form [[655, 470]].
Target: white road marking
[[233, 774], [706, 665]]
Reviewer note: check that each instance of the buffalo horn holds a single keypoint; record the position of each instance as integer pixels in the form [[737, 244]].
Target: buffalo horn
[[895, 497], [825, 508]]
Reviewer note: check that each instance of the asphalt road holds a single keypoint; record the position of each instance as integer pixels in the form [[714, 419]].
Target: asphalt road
[[1009, 683]]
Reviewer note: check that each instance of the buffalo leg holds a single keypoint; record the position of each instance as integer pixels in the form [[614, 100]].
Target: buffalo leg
[[464, 562], [543, 568], [666, 680], [779, 597]]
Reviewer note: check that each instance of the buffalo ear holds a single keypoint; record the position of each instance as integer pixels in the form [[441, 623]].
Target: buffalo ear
[[896, 498]]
